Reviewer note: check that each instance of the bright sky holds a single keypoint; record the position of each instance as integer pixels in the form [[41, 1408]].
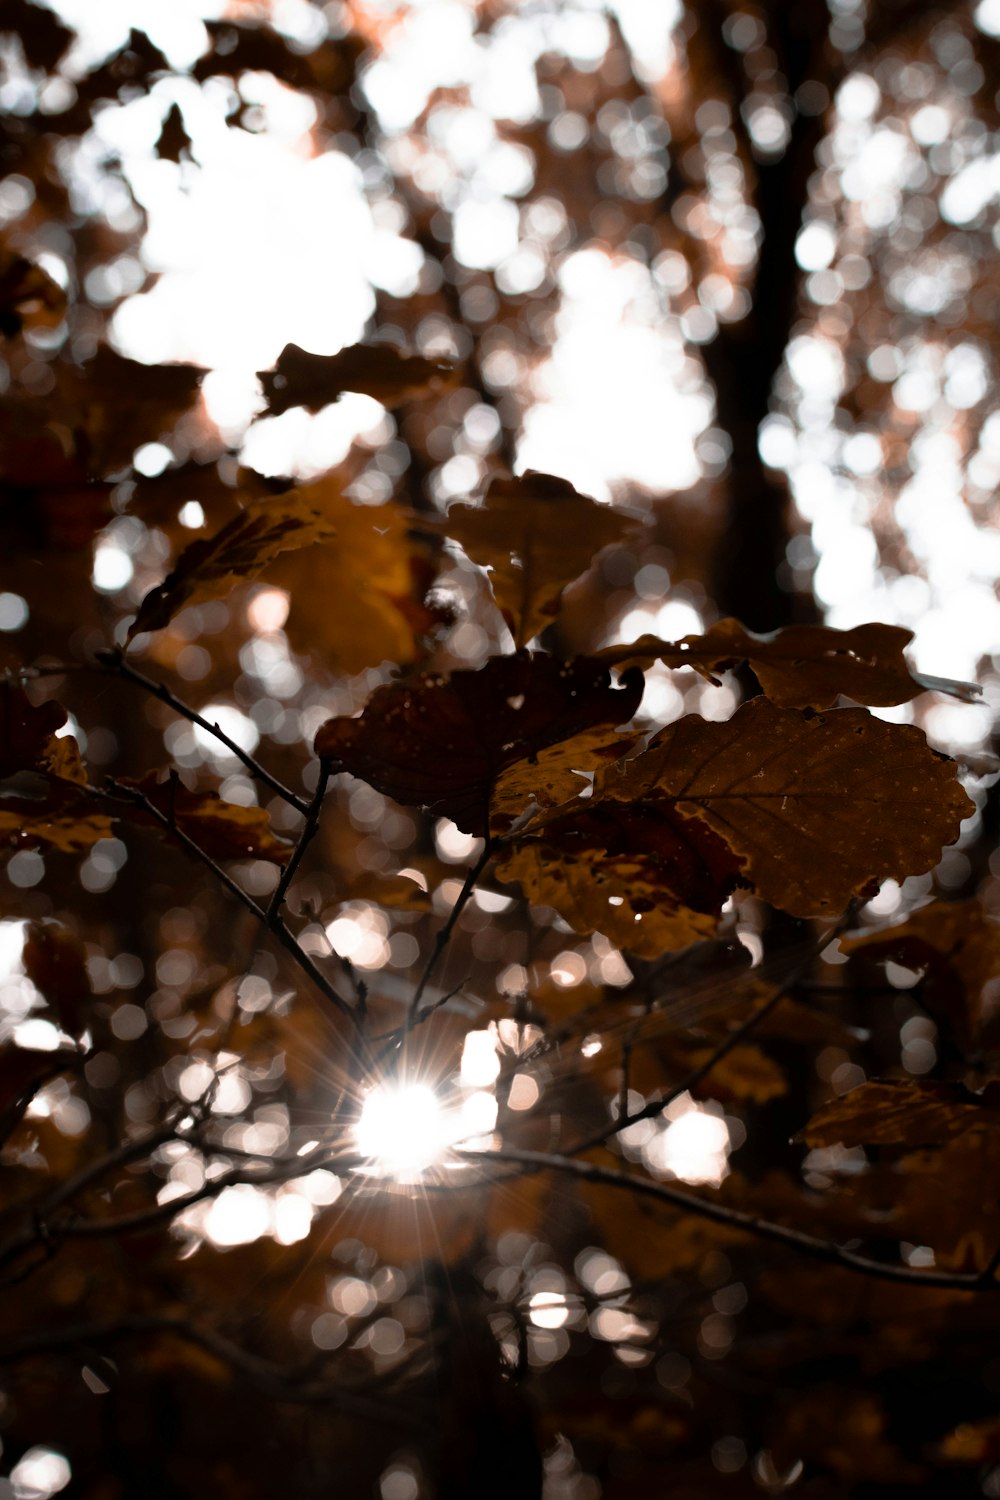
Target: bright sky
[[264, 242]]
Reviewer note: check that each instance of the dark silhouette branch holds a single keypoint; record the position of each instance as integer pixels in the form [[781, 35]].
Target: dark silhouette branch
[[718, 1213]]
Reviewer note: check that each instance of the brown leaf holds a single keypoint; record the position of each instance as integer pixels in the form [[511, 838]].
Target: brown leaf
[[556, 774], [55, 962], [223, 830], [819, 809], [536, 534], [28, 738], [650, 857], [442, 742], [117, 404], [899, 1112], [371, 576], [29, 298], [378, 574], [381, 371], [648, 878], [60, 822], [22, 1071], [801, 666], [957, 946]]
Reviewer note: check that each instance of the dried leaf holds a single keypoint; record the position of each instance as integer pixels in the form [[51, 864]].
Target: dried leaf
[[23, 1070], [381, 371], [441, 742], [899, 1112], [29, 298], [28, 740], [802, 666], [118, 404], [66, 824], [648, 878], [55, 962], [819, 809], [957, 946], [556, 774], [223, 830], [361, 602], [210, 567], [536, 534]]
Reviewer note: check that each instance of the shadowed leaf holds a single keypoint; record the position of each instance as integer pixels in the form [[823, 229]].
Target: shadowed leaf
[[899, 1112], [441, 742], [556, 774], [300, 378], [649, 878], [802, 666], [56, 963], [210, 567], [29, 298], [820, 809], [223, 830], [536, 534], [957, 946]]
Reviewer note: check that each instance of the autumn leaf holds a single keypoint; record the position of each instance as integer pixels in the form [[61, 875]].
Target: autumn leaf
[[29, 298], [555, 774], [377, 573], [223, 830], [55, 961], [819, 809], [366, 593], [648, 878], [59, 822], [442, 742], [801, 666], [381, 371], [650, 857], [899, 1112], [113, 427], [56, 811], [957, 947], [535, 533], [28, 738]]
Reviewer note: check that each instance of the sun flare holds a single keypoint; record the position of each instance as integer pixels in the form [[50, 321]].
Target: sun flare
[[406, 1129]]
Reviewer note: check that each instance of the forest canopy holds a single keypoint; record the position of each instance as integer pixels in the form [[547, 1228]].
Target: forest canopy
[[499, 960]]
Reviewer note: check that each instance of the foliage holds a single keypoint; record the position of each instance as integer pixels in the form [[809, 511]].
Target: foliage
[[452, 1044]]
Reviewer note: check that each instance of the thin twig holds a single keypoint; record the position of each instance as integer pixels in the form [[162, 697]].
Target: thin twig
[[444, 935], [275, 925], [277, 1382], [304, 840], [656, 1106], [115, 662], [734, 1218]]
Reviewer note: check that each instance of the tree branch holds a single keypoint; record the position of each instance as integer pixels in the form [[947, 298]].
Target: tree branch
[[734, 1218], [115, 662]]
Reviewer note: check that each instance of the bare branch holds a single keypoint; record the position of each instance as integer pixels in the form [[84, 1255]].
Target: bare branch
[[115, 662], [734, 1218]]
